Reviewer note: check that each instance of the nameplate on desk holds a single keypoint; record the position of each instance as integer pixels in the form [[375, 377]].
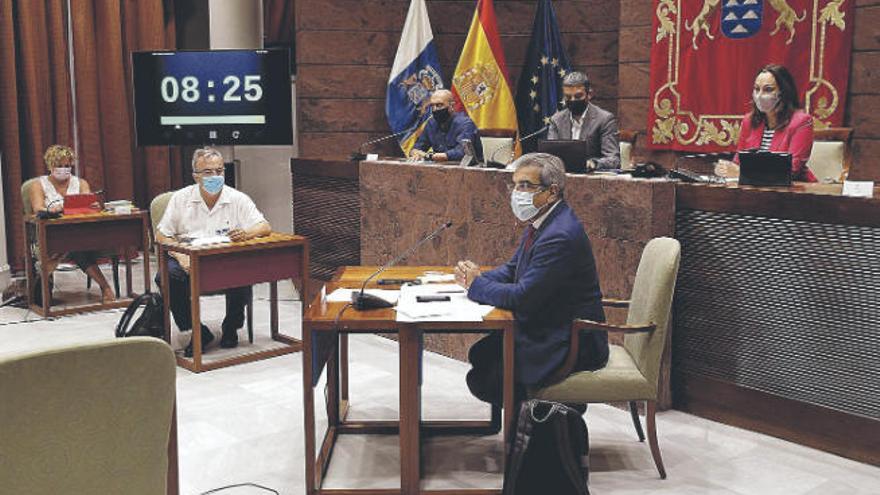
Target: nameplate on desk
[[858, 188], [372, 157]]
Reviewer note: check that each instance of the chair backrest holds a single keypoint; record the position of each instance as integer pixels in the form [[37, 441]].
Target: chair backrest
[[651, 302], [497, 149], [157, 208], [627, 140], [92, 418], [831, 156], [26, 187]]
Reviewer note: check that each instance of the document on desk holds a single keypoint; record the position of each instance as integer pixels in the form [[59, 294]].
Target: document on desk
[[458, 308], [209, 240]]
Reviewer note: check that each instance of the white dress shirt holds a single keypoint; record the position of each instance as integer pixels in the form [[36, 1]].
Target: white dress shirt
[[538, 221], [187, 215], [576, 124]]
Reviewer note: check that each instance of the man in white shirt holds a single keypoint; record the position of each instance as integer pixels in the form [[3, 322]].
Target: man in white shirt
[[207, 208]]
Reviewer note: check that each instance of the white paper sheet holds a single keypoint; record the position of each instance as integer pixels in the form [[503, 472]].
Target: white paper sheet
[[458, 308], [212, 239]]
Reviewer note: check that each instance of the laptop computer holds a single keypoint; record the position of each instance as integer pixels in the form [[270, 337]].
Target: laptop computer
[[571, 151], [77, 204], [764, 168]]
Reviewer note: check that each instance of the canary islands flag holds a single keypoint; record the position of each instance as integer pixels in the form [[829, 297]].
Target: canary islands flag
[[480, 82], [415, 74]]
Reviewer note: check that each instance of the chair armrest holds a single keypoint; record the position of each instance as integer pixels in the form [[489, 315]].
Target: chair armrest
[[595, 326], [615, 303]]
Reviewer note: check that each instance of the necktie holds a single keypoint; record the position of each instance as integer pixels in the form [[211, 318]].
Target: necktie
[[530, 239]]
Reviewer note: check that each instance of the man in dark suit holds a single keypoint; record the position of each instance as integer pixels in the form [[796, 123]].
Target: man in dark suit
[[550, 281], [583, 120], [442, 138]]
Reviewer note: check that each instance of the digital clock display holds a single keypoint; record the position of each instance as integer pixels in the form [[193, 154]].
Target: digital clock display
[[218, 96]]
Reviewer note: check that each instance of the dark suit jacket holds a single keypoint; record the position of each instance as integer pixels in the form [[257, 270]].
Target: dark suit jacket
[[448, 140], [546, 288], [599, 131]]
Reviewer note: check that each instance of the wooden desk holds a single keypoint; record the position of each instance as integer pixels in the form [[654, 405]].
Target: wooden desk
[[87, 232], [215, 268], [336, 321]]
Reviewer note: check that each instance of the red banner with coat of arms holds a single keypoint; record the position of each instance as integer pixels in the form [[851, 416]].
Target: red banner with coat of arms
[[705, 55]]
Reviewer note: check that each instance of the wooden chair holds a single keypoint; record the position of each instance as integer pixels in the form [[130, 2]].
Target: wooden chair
[[633, 370], [627, 139], [30, 237], [94, 418], [157, 210]]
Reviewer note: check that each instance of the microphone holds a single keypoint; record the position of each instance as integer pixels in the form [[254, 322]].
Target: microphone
[[530, 136], [360, 300], [360, 155]]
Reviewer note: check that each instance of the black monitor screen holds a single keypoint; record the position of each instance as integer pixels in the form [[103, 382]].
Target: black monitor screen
[[218, 96]]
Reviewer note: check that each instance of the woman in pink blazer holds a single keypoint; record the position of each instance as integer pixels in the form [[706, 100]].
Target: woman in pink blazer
[[776, 123]]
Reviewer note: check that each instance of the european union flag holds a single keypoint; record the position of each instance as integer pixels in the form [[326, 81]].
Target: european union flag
[[539, 89]]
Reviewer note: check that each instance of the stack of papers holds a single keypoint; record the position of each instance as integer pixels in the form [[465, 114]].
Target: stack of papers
[[212, 239], [437, 278], [458, 308]]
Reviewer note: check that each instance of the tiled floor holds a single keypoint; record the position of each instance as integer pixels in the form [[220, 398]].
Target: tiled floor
[[244, 424]]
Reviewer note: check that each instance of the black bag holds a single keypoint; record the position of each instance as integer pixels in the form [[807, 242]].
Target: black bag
[[151, 322], [549, 452]]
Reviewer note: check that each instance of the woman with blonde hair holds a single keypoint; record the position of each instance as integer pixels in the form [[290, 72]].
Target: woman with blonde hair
[[58, 183]]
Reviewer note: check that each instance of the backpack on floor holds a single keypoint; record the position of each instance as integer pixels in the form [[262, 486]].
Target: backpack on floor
[[151, 322], [549, 452]]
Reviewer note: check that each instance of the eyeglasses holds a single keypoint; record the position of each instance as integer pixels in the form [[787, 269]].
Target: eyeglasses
[[209, 172], [525, 186]]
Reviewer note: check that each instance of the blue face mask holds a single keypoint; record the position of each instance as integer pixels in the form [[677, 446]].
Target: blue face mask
[[523, 206], [213, 184]]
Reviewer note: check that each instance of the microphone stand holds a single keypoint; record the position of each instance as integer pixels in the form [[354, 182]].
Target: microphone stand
[[361, 300], [360, 155]]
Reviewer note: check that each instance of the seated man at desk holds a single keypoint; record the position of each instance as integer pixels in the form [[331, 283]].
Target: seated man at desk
[[550, 281], [207, 208], [49, 196], [445, 131], [582, 120]]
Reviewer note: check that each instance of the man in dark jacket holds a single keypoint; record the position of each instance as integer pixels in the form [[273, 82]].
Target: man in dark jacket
[[550, 281], [442, 138]]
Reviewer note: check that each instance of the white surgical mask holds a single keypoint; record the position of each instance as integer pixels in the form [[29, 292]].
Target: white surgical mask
[[522, 204], [765, 101], [61, 173]]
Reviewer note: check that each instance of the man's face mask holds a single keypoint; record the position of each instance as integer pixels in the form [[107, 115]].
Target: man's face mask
[[576, 107], [441, 115], [213, 184]]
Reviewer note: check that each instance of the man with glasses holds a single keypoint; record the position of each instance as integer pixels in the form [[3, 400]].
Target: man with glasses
[[550, 281], [205, 209], [582, 120]]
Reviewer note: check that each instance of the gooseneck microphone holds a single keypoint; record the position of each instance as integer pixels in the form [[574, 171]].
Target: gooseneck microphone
[[360, 155], [491, 162], [361, 300]]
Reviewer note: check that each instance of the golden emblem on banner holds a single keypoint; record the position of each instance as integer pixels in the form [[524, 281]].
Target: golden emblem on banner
[[477, 85], [674, 123]]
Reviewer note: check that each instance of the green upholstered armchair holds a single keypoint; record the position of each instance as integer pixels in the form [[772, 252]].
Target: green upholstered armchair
[[157, 211], [89, 419], [633, 370]]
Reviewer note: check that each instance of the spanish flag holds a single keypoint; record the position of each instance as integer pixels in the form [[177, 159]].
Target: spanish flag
[[480, 82]]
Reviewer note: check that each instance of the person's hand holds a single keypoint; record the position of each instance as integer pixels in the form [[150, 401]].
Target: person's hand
[[55, 208], [591, 165], [440, 157], [727, 168], [238, 235], [416, 155], [466, 272], [183, 260]]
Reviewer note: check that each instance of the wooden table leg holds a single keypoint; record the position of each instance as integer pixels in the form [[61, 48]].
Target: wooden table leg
[[273, 309], [333, 385], [509, 413], [196, 316], [343, 369], [410, 412], [164, 288], [44, 273], [308, 410], [148, 283], [128, 285]]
